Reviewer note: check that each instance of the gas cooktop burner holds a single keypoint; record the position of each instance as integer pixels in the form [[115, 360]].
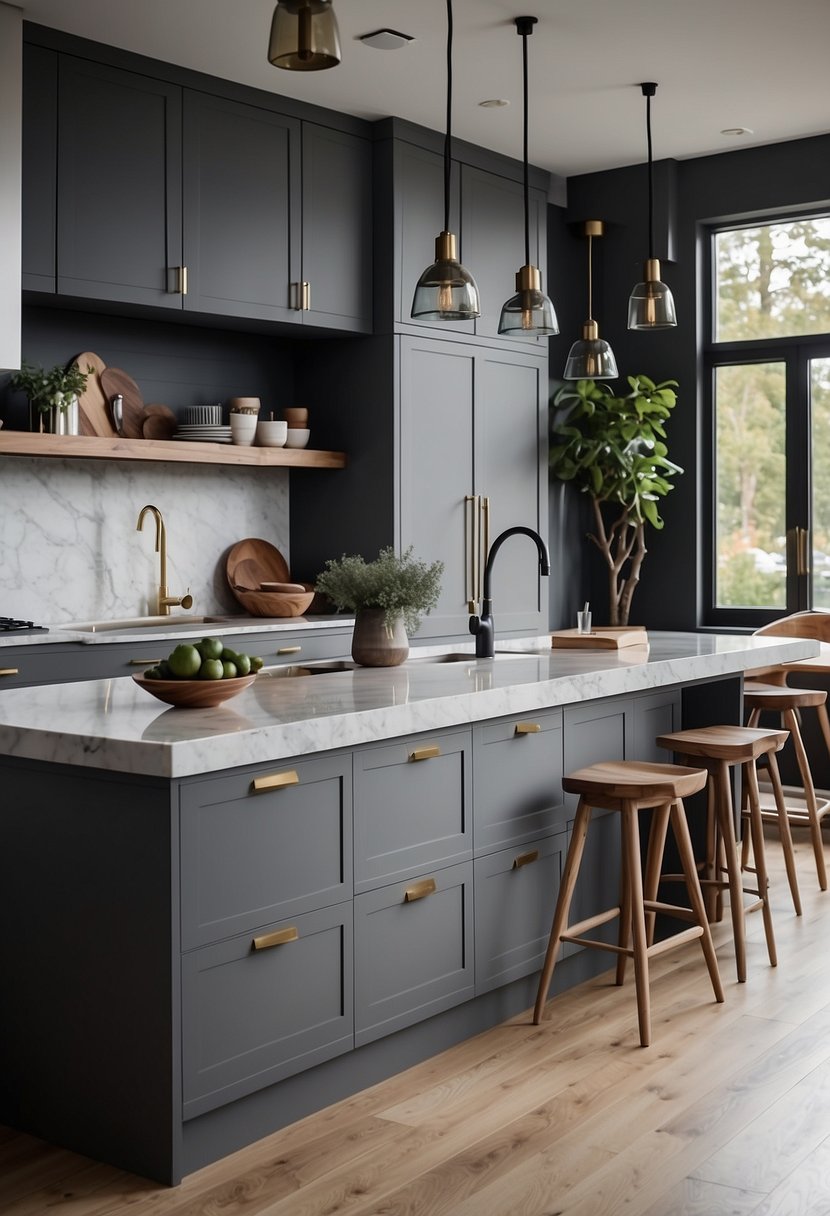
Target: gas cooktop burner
[[9, 625]]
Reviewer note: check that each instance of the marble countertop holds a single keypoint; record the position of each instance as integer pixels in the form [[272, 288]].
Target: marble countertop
[[175, 630], [116, 725]]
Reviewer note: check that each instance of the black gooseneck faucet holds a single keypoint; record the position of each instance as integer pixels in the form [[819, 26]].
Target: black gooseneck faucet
[[484, 626]]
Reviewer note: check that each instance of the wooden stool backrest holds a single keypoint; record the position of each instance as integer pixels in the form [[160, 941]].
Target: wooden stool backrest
[[812, 623]]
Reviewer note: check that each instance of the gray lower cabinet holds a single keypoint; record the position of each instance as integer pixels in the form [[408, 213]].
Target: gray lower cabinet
[[413, 806], [413, 950], [515, 894], [258, 1009], [517, 779]]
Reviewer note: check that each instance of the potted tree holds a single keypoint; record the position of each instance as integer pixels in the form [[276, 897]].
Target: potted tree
[[387, 595], [613, 449]]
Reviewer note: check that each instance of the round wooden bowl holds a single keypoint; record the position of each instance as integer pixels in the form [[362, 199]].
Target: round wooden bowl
[[274, 603], [253, 561], [194, 694]]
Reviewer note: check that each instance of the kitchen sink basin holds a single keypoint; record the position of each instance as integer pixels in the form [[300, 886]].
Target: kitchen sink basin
[[130, 624], [333, 667]]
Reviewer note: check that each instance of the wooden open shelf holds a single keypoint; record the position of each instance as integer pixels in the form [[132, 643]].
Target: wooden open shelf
[[93, 447]]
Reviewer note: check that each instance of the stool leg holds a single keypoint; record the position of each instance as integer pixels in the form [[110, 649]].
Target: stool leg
[[624, 935], [754, 718], [784, 832], [680, 828], [756, 829], [733, 866], [563, 903], [631, 851], [713, 896], [654, 861], [791, 723]]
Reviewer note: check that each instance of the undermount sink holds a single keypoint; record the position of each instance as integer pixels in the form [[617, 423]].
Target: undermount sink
[[336, 666], [130, 624]]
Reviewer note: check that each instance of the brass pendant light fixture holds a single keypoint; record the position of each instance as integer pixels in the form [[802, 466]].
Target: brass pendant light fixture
[[446, 291], [651, 304], [304, 36], [529, 311], [591, 357]]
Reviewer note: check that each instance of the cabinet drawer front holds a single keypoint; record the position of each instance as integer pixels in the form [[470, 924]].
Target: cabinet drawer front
[[413, 956], [412, 807], [517, 778], [253, 1016], [515, 895], [249, 857]]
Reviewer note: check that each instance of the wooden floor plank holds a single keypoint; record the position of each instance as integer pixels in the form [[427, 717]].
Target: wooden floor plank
[[805, 1192]]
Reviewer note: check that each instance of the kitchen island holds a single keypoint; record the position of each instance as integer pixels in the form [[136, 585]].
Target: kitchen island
[[220, 920]]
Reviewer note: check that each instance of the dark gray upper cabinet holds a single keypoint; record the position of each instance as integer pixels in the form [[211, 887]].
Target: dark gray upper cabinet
[[119, 226], [241, 209], [40, 141]]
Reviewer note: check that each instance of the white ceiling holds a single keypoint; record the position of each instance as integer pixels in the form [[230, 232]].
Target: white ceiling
[[760, 64]]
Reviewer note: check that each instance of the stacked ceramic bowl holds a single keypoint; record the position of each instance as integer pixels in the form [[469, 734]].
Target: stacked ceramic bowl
[[298, 432], [203, 424]]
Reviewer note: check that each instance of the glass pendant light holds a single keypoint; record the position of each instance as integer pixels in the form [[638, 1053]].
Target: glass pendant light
[[591, 358], [304, 36], [651, 304], [529, 311], [446, 291]]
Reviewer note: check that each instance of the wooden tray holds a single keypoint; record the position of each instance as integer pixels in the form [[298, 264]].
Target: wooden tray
[[610, 637]]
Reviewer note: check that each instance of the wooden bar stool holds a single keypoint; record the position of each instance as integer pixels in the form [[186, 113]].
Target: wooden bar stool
[[628, 787], [719, 748]]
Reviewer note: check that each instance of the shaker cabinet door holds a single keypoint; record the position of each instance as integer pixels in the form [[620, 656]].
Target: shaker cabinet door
[[119, 230], [241, 209]]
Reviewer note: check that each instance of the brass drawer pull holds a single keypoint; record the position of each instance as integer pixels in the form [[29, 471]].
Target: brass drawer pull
[[181, 281], [528, 728], [425, 753], [525, 859], [420, 890], [289, 650], [278, 938], [144, 662], [275, 781], [9, 671]]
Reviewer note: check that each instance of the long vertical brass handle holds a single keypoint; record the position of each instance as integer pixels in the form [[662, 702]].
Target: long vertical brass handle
[[485, 518], [471, 546], [181, 280], [803, 553], [306, 296]]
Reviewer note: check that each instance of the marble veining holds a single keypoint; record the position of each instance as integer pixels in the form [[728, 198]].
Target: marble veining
[[71, 551], [113, 724]]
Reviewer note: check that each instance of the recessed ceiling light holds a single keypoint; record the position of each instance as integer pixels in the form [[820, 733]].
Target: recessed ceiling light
[[386, 40], [493, 103], [737, 131]]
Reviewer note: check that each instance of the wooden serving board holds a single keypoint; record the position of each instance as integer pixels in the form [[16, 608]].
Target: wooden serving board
[[609, 637], [93, 412], [113, 381]]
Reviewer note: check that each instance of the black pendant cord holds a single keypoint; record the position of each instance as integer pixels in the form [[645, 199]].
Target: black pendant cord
[[590, 278], [525, 127], [650, 179], [447, 133]]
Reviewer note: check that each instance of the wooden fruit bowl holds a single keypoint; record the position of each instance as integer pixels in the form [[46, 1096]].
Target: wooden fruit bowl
[[274, 603], [194, 694]]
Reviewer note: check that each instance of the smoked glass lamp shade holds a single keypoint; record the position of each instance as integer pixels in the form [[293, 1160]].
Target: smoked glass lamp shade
[[651, 303], [529, 311], [304, 36], [446, 291], [591, 357]]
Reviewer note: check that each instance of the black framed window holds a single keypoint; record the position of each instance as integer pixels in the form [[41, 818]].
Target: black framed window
[[767, 387]]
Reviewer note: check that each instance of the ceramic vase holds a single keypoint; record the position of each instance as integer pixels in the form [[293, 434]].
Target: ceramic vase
[[376, 644]]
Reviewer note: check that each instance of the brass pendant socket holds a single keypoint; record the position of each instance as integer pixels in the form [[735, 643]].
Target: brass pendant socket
[[651, 272], [529, 278], [590, 331], [446, 247], [594, 228]]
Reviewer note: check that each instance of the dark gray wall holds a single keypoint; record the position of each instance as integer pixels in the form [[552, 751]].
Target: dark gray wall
[[748, 183]]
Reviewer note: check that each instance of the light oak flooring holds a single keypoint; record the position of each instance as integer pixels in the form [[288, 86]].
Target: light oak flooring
[[727, 1113]]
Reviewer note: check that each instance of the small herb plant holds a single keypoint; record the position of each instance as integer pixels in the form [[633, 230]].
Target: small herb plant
[[55, 387], [401, 586], [612, 448]]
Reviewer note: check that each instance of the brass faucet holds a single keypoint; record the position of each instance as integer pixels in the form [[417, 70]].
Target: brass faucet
[[164, 601]]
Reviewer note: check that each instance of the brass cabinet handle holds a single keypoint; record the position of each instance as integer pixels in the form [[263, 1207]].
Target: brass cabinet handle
[[525, 859], [275, 781], [278, 938], [528, 728], [419, 890], [306, 296], [181, 280], [289, 650], [143, 662], [798, 541], [425, 753], [9, 671], [473, 544]]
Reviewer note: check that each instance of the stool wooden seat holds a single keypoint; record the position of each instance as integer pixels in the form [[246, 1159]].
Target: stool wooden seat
[[628, 787], [719, 748], [786, 702]]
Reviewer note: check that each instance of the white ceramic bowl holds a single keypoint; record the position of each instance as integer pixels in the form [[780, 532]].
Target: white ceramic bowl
[[243, 429], [271, 434], [297, 437]]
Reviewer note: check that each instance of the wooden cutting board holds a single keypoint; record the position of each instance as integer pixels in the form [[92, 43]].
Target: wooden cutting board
[[159, 422], [113, 381], [93, 411], [610, 637]]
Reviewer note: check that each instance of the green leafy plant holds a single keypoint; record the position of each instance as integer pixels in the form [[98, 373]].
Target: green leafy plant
[[54, 387], [400, 585], [613, 449]]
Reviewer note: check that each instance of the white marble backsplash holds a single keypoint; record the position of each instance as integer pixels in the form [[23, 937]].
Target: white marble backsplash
[[69, 549]]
